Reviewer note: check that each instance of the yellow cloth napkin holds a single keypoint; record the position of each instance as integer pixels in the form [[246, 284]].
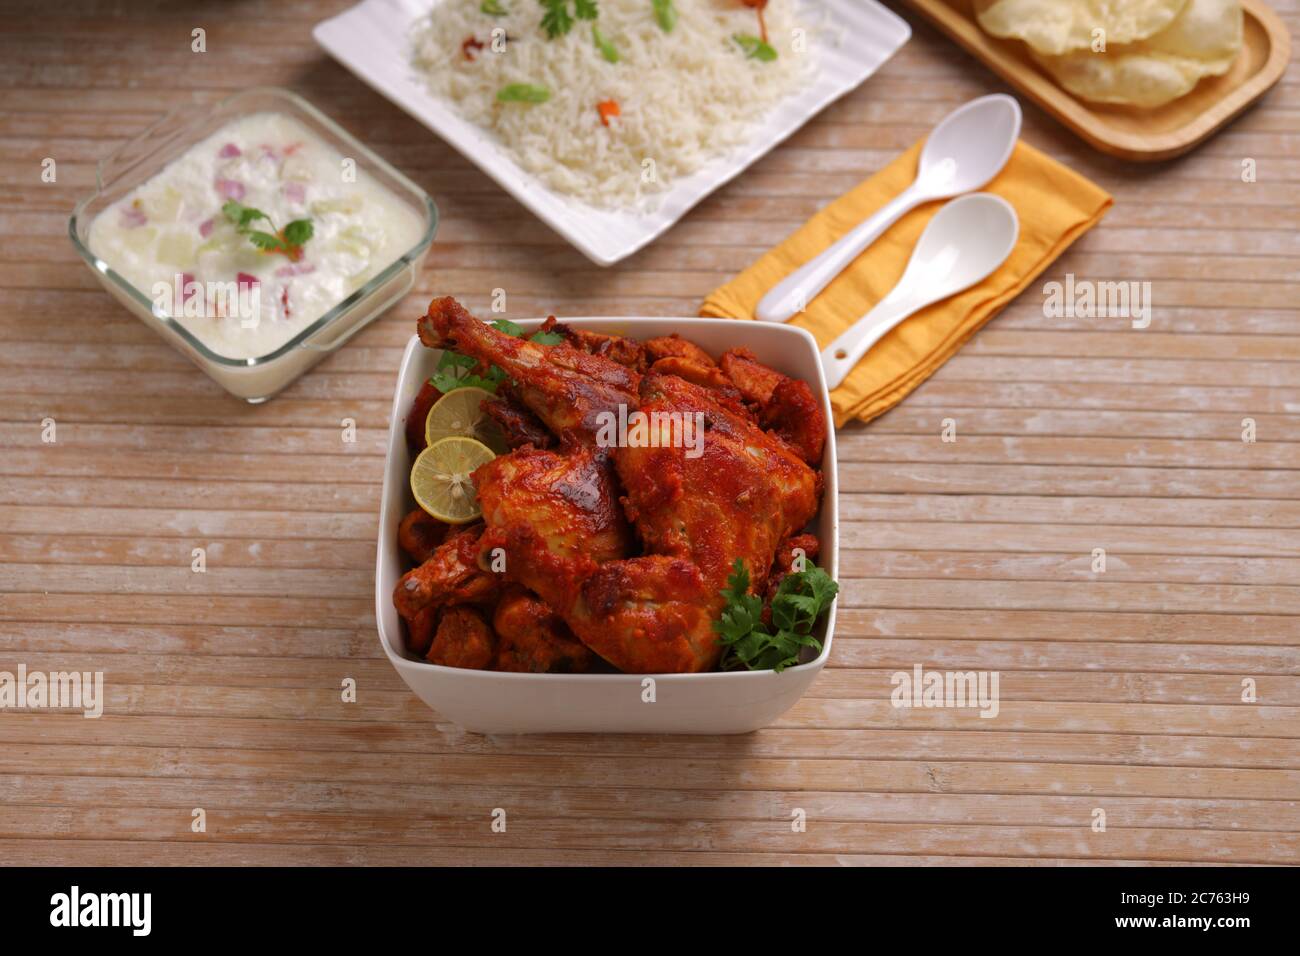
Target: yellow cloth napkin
[[1055, 206]]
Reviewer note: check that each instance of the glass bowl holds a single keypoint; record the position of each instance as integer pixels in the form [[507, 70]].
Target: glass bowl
[[258, 378]]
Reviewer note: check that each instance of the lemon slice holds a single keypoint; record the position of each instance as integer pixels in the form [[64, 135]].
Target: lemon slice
[[459, 413], [440, 478]]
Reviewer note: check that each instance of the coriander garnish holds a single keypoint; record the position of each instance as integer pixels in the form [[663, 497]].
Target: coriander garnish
[[557, 20], [800, 599], [755, 48], [288, 241]]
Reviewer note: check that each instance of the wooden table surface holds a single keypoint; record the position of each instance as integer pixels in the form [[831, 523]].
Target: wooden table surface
[[1121, 691]]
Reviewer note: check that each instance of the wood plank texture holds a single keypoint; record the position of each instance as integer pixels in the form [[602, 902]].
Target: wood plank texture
[[1120, 690]]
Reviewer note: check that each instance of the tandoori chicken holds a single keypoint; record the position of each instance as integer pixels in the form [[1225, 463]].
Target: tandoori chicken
[[592, 550], [567, 388]]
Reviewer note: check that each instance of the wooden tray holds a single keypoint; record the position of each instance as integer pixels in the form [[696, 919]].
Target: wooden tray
[[1141, 135]]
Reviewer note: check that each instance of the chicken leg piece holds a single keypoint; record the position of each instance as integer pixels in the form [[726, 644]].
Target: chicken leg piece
[[565, 387]]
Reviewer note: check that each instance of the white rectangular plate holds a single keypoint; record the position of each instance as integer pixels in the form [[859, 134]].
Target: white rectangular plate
[[371, 40], [494, 702]]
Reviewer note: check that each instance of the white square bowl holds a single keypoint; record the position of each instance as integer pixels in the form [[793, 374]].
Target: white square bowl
[[492, 702], [371, 40]]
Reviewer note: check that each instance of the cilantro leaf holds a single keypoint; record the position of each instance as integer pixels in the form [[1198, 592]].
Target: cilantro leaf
[[546, 338], [289, 241], [493, 8], [738, 581], [508, 327], [264, 240], [453, 372], [445, 384], [556, 20], [755, 48], [298, 232], [800, 600], [453, 369], [455, 360], [242, 215]]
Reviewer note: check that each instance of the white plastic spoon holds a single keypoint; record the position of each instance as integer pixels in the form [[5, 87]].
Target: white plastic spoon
[[967, 149], [964, 242]]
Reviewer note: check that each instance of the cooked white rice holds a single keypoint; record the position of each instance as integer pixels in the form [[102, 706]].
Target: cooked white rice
[[684, 96]]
